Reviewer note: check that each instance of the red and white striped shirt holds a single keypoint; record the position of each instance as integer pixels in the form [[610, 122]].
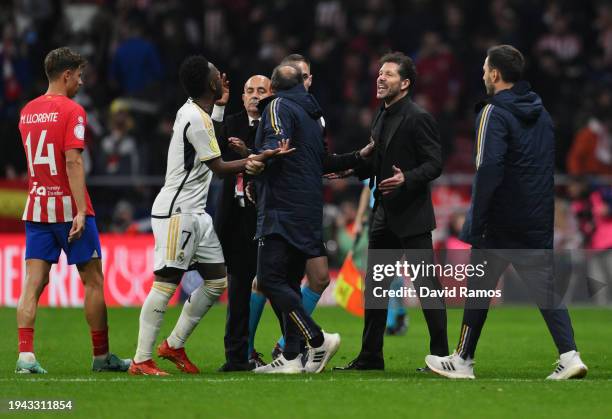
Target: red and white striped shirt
[[50, 125]]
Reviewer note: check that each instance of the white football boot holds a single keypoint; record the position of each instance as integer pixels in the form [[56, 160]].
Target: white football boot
[[282, 366], [569, 365], [452, 366], [318, 358]]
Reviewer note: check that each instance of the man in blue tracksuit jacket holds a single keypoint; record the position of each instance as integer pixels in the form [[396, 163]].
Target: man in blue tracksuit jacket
[[289, 216], [511, 217]]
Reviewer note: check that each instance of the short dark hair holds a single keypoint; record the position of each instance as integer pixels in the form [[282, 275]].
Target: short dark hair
[[61, 59], [407, 69], [194, 75], [508, 61], [295, 58], [285, 77]]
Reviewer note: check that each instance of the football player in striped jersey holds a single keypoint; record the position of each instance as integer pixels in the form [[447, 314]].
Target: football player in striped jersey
[[58, 214]]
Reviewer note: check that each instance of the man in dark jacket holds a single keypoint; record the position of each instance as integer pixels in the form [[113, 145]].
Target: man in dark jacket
[[406, 159], [289, 218], [510, 220], [235, 221], [317, 270]]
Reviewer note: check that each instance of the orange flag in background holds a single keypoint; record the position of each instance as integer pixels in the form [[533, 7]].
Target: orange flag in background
[[349, 287]]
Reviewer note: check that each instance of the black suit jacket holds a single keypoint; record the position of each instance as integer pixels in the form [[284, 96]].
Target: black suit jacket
[[412, 143], [228, 230]]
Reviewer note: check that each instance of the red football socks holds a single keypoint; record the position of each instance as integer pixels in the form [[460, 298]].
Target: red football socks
[[99, 340], [26, 339]]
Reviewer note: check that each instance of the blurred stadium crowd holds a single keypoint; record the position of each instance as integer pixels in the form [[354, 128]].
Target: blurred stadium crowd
[[131, 90]]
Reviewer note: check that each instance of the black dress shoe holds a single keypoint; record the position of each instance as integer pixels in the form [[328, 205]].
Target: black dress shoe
[[234, 367], [362, 365]]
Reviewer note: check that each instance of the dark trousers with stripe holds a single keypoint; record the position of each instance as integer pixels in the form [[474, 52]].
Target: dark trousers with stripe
[[539, 278], [280, 269], [375, 320]]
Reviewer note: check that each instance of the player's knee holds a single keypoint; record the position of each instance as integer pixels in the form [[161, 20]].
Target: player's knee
[[214, 287], [264, 288], [318, 283], [91, 274], [211, 270], [94, 281]]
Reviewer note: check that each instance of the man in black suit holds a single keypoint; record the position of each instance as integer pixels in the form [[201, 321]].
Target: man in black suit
[[406, 159], [235, 222]]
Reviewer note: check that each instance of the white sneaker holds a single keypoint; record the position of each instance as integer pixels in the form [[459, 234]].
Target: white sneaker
[[282, 366], [569, 365], [452, 366], [319, 357]]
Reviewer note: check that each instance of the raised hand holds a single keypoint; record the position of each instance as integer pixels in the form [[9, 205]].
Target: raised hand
[[226, 91], [237, 145], [283, 146], [282, 150], [390, 184]]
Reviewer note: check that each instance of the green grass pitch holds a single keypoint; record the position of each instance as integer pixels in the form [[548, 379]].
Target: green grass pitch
[[514, 356]]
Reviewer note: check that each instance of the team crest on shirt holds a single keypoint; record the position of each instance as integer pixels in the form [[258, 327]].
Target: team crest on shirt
[[79, 129]]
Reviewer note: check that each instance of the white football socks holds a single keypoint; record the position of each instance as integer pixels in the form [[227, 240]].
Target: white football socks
[[28, 357], [196, 306], [151, 316]]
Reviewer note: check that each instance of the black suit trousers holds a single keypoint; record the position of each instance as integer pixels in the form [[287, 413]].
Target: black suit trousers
[[382, 237], [241, 261]]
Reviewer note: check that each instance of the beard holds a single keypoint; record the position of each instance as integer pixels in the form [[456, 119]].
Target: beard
[[392, 93], [489, 88]]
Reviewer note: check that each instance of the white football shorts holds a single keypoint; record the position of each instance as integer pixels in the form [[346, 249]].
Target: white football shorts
[[184, 240]]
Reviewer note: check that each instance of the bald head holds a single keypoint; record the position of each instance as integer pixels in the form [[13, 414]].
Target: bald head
[[285, 77], [256, 88]]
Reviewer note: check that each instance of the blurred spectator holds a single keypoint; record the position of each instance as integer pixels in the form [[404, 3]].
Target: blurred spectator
[[455, 225], [604, 25], [14, 71], [118, 152], [578, 192], [438, 85], [567, 235], [136, 64], [123, 220], [591, 151], [601, 200], [560, 40], [439, 77], [601, 263], [345, 235]]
